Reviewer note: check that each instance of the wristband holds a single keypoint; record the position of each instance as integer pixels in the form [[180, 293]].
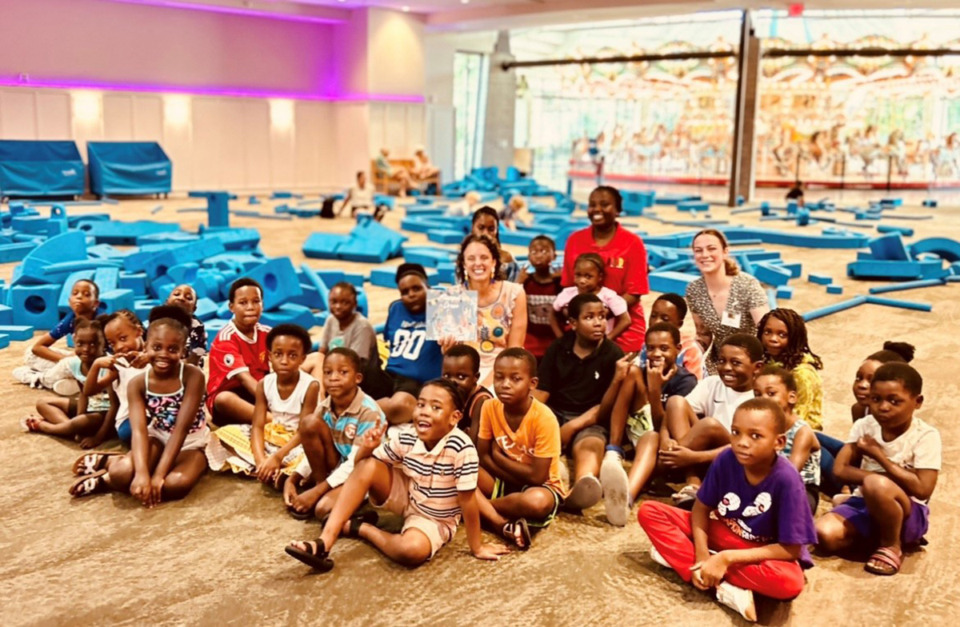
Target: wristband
[[614, 447]]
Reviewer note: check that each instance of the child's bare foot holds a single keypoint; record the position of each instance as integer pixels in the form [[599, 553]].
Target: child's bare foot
[[302, 505], [517, 533], [31, 424], [90, 463], [313, 553], [89, 484]]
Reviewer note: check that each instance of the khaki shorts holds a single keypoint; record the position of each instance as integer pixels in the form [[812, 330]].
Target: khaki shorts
[[399, 503], [195, 441]]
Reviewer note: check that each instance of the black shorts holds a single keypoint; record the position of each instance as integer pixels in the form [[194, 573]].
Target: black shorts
[[240, 391], [379, 384]]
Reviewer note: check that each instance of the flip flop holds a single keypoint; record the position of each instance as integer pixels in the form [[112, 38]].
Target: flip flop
[[884, 561], [316, 557], [370, 517], [89, 484], [509, 533], [89, 463]]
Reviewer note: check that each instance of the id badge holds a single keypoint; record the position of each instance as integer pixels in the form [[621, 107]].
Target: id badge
[[730, 320]]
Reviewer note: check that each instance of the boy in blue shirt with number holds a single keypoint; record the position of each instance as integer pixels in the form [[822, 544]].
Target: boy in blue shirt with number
[[413, 360]]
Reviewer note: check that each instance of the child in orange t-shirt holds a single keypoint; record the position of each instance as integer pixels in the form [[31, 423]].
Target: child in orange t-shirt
[[520, 475]]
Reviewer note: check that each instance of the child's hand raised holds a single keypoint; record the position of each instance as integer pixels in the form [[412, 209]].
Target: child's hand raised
[[491, 551], [657, 377], [623, 366], [372, 437]]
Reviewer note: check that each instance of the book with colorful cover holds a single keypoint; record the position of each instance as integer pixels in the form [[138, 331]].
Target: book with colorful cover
[[452, 314]]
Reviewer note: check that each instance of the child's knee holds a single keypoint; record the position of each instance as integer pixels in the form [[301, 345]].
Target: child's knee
[[324, 506], [676, 404], [176, 485], [541, 502], [831, 533], [877, 486], [791, 585], [310, 426]]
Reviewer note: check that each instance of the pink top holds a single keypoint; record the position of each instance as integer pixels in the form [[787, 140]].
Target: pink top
[[612, 302]]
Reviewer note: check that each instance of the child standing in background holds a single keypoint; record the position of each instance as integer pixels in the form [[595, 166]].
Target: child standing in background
[[541, 288], [238, 357], [74, 418], [783, 334], [41, 357], [269, 449]]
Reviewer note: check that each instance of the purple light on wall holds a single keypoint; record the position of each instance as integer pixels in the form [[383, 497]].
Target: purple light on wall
[[213, 8], [13, 81]]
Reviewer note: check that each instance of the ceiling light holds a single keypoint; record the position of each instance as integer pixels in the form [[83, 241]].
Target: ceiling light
[[405, 9]]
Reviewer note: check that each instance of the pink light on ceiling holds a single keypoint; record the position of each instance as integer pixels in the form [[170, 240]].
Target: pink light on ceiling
[[213, 8], [15, 81]]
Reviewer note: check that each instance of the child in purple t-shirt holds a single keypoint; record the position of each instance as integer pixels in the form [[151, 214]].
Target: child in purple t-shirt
[[750, 524]]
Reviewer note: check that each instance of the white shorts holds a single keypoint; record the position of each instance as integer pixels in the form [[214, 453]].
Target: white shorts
[[399, 503]]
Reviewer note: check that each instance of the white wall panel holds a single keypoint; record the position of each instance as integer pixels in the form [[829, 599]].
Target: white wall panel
[[206, 148], [18, 114], [117, 117], [148, 118], [232, 140], [53, 115], [254, 138]]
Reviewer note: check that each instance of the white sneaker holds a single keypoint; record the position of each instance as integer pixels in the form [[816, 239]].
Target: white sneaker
[[738, 599], [586, 493], [27, 376], [655, 556], [686, 495], [66, 387], [616, 488]]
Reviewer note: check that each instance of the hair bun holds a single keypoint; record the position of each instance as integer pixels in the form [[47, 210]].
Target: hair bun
[[903, 349]]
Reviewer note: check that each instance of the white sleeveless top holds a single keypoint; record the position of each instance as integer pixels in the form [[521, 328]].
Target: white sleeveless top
[[125, 374], [286, 411]]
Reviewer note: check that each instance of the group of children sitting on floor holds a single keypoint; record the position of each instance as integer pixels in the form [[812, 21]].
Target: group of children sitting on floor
[[418, 437]]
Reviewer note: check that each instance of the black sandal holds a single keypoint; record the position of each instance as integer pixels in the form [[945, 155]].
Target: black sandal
[[509, 533], [369, 517], [316, 557], [298, 515]]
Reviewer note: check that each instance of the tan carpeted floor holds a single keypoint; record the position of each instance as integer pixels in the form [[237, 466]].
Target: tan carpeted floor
[[217, 557]]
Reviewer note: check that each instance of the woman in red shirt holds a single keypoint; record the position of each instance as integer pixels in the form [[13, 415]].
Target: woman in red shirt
[[622, 251]]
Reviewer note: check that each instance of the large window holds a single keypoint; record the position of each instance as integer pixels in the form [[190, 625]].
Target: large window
[[470, 101]]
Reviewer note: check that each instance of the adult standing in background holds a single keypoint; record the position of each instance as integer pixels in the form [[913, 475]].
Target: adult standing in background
[[623, 253]]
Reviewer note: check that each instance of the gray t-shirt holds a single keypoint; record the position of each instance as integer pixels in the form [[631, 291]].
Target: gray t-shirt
[[358, 336]]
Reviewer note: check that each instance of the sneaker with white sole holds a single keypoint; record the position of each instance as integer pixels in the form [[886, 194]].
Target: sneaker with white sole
[[616, 489], [586, 493], [66, 387], [686, 495], [738, 599], [655, 556], [27, 376]]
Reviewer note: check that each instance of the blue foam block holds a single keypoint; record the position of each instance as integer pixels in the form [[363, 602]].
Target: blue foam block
[[184, 272], [318, 283], [218, 206], [856, 301], [876, 269], [289, 313], [233, 238], [335, 276], [4, 340], [35, 305], [309, 297], [383, 277], [195, 251], [279, 281], [426, 256], [903, 304], [368, 229], [692, 205], [206, 309], [929, 202], [670, 281], [820, 279], [6, 315], [444, 236], [834, 289], [107, 278], [125, 233], [674, 199], [117, 299], [213, 327], [143, 306], [16, 251], [889, 247], [785, 292], [517, 238], [323, 245], [771, 274], [17, 332], [795, 269], [365, 250], [902, 230]]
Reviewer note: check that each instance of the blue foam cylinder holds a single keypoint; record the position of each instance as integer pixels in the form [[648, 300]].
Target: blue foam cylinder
[[903, 304], [834, 308]]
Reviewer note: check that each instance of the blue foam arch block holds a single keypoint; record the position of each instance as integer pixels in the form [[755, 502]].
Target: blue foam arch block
[[943, 247], [279, 281], [69, 246], [856, 301], [323, 245], [35, 305], [63, 303]]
